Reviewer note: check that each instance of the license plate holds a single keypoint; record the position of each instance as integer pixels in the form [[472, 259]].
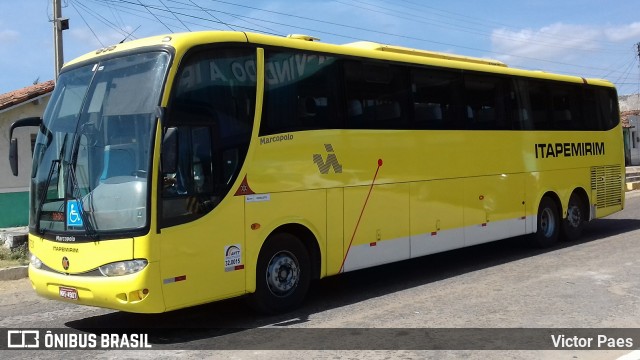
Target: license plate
[[68, 293]]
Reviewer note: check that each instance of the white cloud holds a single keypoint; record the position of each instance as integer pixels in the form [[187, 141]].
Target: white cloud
[[9, 36], [560, 42], [623, 33], [89, 41]]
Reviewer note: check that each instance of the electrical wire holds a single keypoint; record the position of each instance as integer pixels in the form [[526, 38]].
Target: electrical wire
[[181, 11], [102, 19], [485, 22], [86, 23], [210, 14], [176, 16], [416, 17], [154, 15]]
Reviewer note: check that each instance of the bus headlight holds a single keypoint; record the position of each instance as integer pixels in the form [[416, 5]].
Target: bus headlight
[[123, 267], [35, 262]]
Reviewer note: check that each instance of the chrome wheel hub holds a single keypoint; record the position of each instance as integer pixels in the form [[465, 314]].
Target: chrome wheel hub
[[547, 222], [283, 274]]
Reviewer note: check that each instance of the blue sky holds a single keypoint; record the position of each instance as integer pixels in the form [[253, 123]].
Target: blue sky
[[590, 38]]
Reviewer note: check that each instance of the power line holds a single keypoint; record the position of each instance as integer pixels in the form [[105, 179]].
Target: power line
[[85, 22], [486, 21], [154, 15], [192, 6], [638, 49], [101, 18], [174, 15], [416, 17], [116, 15], [213, 16], [135, 12]]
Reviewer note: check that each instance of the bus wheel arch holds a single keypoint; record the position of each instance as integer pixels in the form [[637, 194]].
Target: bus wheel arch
[[287, 262], [548, 221], [577, 215]]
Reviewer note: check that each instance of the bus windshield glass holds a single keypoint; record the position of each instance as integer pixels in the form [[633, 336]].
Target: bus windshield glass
[[92, 155]]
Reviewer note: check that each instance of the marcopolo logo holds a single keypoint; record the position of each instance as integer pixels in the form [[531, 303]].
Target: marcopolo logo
[[332, 161]]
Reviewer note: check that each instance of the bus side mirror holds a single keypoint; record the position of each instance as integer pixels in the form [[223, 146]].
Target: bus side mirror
[[13, 147], [170, 151]]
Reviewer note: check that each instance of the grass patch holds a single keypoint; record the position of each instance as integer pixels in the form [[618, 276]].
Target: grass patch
[[15, 257]]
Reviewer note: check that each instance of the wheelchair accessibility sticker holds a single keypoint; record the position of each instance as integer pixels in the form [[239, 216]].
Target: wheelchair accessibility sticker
[[73, 213]]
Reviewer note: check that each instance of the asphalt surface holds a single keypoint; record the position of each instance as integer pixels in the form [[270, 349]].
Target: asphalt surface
[[593, 283]]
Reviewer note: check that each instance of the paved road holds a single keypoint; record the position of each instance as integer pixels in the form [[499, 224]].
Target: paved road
[[594, 283]]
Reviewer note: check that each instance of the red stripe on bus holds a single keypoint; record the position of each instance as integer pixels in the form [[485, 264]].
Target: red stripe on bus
[[361, 212]]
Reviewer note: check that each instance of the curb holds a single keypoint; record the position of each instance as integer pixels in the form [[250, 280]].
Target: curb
[[14, 273]]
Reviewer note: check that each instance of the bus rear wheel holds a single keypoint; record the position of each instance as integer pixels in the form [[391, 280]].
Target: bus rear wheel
[[548, 223], [282, 275], [573, 224]]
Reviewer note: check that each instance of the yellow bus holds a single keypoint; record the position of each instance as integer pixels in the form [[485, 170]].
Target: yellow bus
[[188, 168]]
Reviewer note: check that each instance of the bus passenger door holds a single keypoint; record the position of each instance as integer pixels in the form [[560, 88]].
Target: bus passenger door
[[494, 208], [202, 236]]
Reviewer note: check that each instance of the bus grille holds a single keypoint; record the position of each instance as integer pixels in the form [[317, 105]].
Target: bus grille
[[606, 182]]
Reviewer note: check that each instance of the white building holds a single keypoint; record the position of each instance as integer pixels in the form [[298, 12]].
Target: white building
[[634, 139], [14, 196]]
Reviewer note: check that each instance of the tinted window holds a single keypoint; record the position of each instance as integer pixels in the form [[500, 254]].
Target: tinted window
[[300, 92], [488, 100], [211, 114], [306, 91], [434, 99], [377, 96], [547, 105], [566, 107]]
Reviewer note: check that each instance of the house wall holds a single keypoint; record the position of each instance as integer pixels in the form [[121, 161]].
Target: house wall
[[634, 141], [14, 195]]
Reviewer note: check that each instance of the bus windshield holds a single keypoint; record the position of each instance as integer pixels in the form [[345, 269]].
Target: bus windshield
[[93, 152]]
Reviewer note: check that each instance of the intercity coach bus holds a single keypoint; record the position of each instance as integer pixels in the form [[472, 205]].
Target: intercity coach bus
[[188, 168]]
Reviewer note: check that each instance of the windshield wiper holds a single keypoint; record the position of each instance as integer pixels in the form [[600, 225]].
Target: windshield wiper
[[55, 165]]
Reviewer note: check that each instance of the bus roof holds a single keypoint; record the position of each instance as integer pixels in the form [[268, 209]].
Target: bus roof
[[183, 41], [424, 53]]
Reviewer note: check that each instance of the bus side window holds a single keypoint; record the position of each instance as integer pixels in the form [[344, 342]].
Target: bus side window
[[300, 92], [201, 160], [433, 95], [488, 102], [522, 107], [566, 109], [608, 112], [188, 192], [536, 97], [381, 91]]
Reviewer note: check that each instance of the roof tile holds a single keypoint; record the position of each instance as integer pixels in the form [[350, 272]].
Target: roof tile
[[21, 95]]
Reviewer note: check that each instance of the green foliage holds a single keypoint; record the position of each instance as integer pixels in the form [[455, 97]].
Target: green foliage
[[14, 257]]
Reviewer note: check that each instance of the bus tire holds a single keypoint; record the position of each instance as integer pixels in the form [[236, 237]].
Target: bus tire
[[283, 275], [573, 224], [548, 227]]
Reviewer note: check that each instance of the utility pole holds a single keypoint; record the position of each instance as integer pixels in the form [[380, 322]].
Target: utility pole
[[638, 49], [59, 24]]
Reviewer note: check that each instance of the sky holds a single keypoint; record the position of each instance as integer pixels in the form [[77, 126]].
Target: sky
[[589, 38]]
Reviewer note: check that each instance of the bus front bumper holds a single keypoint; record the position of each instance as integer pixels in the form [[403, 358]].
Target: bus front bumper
[[139, 292]]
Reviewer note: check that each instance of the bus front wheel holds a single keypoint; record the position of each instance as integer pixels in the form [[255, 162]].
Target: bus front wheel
[[282, 275], [548, 223]]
